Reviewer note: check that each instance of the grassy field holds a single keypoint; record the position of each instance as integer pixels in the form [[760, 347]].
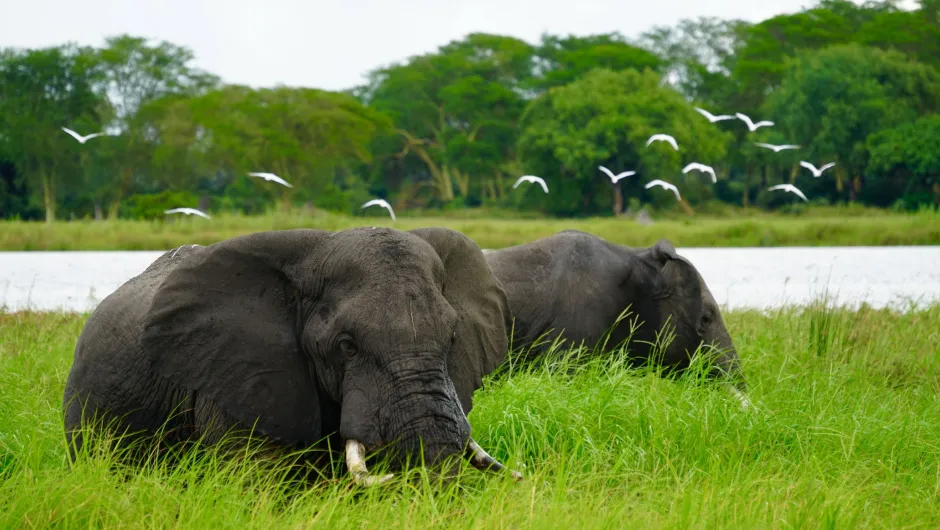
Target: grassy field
[[814, 227], [844, 434]]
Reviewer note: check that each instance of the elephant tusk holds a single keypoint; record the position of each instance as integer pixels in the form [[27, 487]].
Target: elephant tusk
[[745, 402], [356, 462], [484, 462]]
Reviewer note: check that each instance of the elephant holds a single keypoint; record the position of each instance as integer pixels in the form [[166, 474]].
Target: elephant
[[372, 338], [574, 286]]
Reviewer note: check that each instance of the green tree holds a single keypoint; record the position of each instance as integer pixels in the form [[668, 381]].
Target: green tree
[[42, 90], [830, 101], [904, 163], [605, 119], [135, 73], [455, 113], [562, 60]]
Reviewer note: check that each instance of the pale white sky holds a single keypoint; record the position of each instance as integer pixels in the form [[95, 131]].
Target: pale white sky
[[331, 44]]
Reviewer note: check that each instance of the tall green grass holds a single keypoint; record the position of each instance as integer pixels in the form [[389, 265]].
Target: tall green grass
[[813, 228], [844, 433]]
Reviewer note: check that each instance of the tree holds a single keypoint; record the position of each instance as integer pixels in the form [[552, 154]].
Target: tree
[[41, 91], [904, 163], [455, 112], [135, 73], [562, 60], [605, 119], [831, 101]]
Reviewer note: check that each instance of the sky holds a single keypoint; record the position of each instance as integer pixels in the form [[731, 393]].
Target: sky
[[331, 44]]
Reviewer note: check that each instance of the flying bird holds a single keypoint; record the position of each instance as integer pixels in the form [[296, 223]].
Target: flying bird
[[271, 177], [751, 125], [187, 211], [664, 185], [816, 172], [383, 204], [533, 179], [82, 139], [791, 188], [711, 117], [701, 167], [777, 148], [618, 176], [663, 138]]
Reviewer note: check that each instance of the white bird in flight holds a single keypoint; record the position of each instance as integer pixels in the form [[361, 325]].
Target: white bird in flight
[[618, 176], [664, 185], [383, 204], [791, 188], [751, 125], [663, 138], [531, 178], [187, 211], [271, 177], [82, 139], [711, 117], [816, 172], [701, 167], [777, 148]]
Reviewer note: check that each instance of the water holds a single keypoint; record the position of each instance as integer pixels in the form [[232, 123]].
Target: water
[[738, 277]]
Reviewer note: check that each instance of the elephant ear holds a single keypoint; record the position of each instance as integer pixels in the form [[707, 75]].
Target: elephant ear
[[678, 289], [223, 325], [484, 319]]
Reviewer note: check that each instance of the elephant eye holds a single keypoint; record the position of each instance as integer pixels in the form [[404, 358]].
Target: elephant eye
[[347, 346]]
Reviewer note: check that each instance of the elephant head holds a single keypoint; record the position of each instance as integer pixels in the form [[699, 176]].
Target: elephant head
[[677, 295], [377, 334]]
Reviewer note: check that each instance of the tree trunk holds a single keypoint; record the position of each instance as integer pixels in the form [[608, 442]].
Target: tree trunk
[[747, 188], [48, 196], [618, 200], [99, 214], [124, 185]]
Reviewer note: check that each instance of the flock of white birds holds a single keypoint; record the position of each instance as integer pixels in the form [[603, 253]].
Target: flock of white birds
[[614, 177], [696, 166]]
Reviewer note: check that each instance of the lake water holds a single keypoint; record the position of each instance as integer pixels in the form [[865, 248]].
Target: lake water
[[738, 277]]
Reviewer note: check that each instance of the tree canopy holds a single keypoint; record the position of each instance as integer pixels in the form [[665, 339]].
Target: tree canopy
[[853, 84]]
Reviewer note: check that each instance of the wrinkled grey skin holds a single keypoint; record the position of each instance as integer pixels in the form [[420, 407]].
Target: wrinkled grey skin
[[376, 335], [574, 285]]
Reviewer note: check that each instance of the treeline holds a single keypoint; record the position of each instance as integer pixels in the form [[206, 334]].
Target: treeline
[[857, 85]]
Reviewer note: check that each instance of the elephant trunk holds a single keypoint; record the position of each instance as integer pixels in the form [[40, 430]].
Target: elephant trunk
[[418, 419]]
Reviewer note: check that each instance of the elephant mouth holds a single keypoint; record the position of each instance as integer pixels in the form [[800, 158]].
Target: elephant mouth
[[356, 463]]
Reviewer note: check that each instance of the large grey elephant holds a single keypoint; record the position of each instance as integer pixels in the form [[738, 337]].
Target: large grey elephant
[[574, 285], [369, 339]]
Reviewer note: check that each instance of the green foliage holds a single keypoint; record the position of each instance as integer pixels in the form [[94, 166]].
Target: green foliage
[[152, 205], [842, 434], [830, 101], [605, 119], [450, 130]]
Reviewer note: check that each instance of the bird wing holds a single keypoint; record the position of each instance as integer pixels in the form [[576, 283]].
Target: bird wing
[[676, 191], [827, 166], [703, 112], [672, 141], [95, 135], [174, 210], [201, 214], [808, 166], [652, 139], [542, 182], [609, 173], [745, 119], [73, 134], [652, 183], [623, 174], [761, 123], [389, 208], [279, 180], [797, 191]]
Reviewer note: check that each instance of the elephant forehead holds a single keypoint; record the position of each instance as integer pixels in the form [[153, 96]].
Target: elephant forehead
[[384, 254]]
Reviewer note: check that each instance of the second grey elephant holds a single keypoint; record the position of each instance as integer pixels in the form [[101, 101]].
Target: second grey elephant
[[368, 338], [574, 286]]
